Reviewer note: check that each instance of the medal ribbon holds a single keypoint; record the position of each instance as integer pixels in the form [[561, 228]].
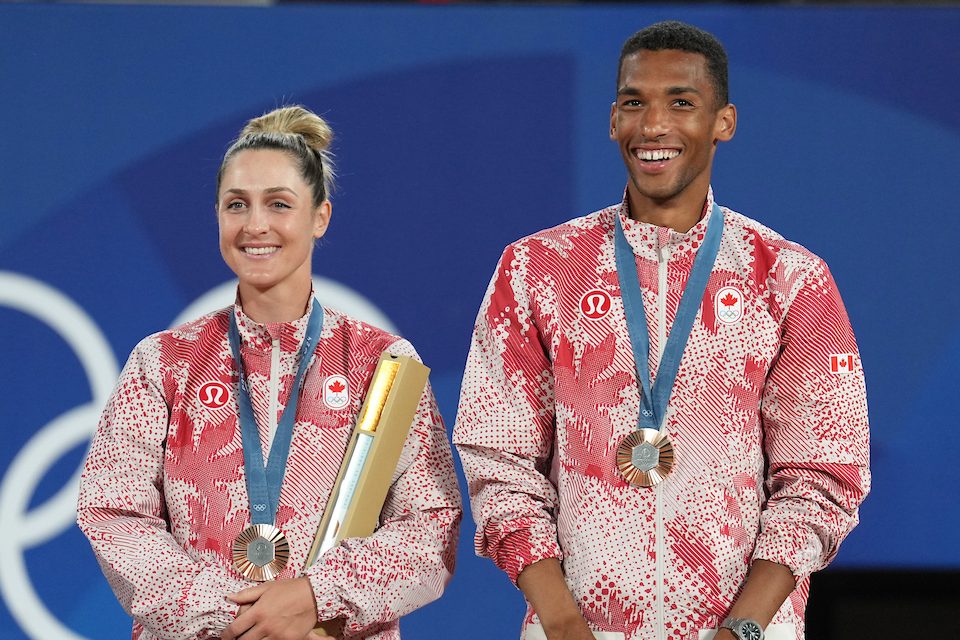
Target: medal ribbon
[[264, 482], [653, 402]]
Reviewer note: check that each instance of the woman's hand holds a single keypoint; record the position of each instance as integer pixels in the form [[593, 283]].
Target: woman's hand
[[278, 610]]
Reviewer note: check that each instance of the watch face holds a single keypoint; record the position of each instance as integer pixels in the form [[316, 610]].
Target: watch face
[[749, 630]]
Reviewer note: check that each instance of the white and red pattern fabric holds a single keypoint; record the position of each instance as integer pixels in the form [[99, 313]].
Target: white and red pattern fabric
[[771, 445], [163, 493]]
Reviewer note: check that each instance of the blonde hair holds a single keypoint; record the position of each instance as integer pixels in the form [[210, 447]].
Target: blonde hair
[[297, 131]]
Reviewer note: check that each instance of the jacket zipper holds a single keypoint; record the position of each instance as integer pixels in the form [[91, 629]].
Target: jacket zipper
[[662, 258]]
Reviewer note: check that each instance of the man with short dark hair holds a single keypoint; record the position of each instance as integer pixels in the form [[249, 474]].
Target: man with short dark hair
[[663, 418]]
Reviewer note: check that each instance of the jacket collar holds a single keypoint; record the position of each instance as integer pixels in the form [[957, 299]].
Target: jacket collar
[[647, 240], [260, 335]]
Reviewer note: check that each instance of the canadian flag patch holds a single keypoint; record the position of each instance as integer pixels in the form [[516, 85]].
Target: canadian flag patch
[[843, 363], [728, 305], [336, 393]]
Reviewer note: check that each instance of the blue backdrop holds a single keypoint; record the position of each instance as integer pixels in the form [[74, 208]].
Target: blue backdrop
[[459, 129]]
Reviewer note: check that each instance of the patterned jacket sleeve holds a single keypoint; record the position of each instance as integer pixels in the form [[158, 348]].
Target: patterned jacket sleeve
[[409, 559], [504, 430], [815, 430], [121, 511]]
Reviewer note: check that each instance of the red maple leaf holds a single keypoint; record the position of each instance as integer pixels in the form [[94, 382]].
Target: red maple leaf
[[728, 300], [337, 387], [589, 436]]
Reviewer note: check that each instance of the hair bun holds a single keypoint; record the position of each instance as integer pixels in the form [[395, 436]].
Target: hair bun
[[293, 120], [297, 131]]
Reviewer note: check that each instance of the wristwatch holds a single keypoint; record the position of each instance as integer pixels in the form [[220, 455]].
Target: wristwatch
[[743, 628]]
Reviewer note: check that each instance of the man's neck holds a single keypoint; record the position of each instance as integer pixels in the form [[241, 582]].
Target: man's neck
[[680, 213]]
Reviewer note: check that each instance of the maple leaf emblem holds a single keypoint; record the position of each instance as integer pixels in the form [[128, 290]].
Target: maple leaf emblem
[[728, 300], [337, 387]]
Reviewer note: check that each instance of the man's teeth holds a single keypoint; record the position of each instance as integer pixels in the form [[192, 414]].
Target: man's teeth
[[657, 154], [260, 251]]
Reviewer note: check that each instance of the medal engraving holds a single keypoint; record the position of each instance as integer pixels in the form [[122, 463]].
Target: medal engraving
[[645, 457], [260, 552]]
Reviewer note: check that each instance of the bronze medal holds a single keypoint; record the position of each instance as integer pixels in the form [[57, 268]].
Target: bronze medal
[[645, 457], [260, 552]]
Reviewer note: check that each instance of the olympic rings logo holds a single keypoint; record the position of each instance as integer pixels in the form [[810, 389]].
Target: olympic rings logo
[[47, 520]]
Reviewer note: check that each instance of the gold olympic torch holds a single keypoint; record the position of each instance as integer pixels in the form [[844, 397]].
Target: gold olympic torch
[[353, 509]]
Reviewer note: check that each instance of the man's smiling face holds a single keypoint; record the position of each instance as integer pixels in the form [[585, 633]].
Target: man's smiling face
[[667, 123]]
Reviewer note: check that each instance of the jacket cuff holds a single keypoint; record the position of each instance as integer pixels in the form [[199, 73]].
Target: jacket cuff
[[329, 599], [797, 550], [520, 548]]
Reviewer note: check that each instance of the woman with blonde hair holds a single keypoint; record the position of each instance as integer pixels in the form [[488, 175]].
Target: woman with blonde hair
[[238, 421]]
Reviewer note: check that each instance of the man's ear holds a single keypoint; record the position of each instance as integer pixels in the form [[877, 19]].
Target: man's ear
[[613, 120], [726, 123]]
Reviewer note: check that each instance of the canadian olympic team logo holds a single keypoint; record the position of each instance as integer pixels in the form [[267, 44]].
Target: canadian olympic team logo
[[595, 304], [213, 395], [728, 305], [336, 393]]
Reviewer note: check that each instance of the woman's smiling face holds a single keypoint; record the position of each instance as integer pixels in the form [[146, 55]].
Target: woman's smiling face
[[268, 223]]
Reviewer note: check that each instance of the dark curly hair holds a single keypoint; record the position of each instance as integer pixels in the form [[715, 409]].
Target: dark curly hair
[[681, 36]]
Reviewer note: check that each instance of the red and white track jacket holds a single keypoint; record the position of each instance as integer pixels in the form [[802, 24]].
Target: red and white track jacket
[[768, 420], [163, 493]]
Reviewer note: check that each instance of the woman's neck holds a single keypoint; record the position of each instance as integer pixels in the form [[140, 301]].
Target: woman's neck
[[277, 304]]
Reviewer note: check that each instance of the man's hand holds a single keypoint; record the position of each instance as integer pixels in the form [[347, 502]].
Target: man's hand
[[546, 590], [278, 610]]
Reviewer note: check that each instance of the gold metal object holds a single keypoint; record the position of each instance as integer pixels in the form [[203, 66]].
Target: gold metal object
[[353, 508], [377, 395]]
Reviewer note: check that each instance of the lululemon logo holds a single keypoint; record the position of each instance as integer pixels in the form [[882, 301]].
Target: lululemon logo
[[595, 304], [214, 395]]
